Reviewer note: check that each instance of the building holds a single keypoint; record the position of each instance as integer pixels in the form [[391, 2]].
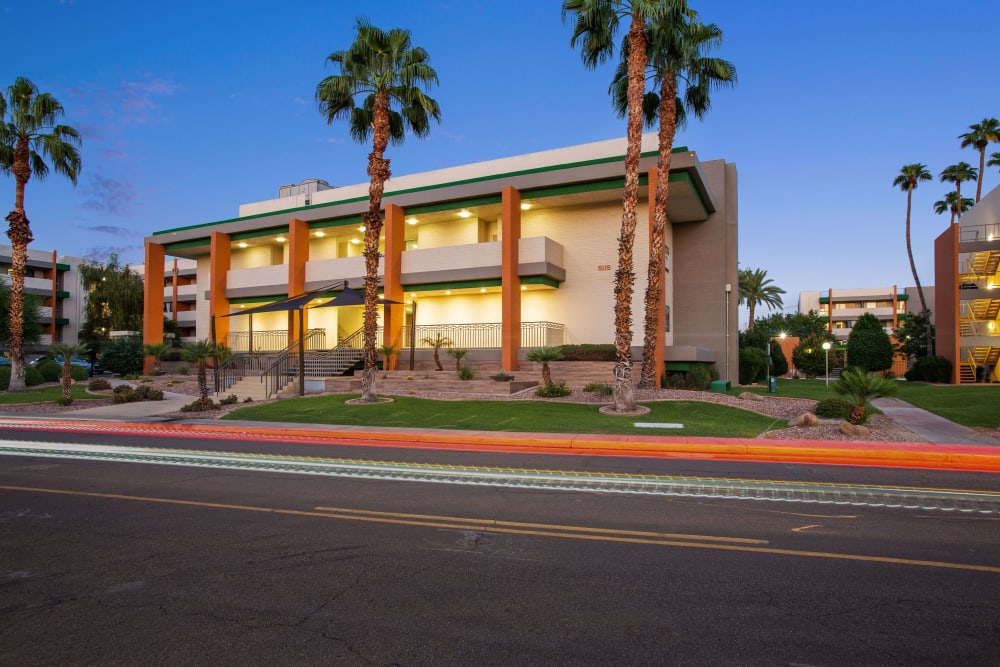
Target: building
[[56, 281], [180, 295], [966, 260], [841, 308], [498, 256]]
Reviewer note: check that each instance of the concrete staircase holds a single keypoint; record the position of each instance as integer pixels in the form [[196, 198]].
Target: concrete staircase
[[251, 387]]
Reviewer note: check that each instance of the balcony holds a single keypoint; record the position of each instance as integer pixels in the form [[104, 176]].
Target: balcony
[[481, 261], [186, 318], [258, 281], [323, 272]]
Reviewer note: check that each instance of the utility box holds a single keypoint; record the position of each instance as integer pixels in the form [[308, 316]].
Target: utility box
[[720, 386]]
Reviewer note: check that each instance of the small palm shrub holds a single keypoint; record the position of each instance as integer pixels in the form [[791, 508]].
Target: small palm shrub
[[544, 355], [98, 384], [553, 390], [183, 370], [458, 354], [858, 388], [599, 388], [833, 408]]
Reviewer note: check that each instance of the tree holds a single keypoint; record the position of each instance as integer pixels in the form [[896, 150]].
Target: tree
[[909, 176], [684, 78], [950, 204], [799, 325], [458, 354], [809, 355], [389, 73], [595, 27], [199, 352], [31, 317], [67, 351], [979, 137], [756, 288], [913, 335], [29, 134], [543, 356], [859, 387], [437, 343], [157, 351], [958, 174], [868, 345], [994, 160], [114, 299]]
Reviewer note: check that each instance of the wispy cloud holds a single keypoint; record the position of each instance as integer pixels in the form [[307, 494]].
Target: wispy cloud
[[109, 195], [138, 98], [457, 138], [115, 155], [109, 229], [103, 253]]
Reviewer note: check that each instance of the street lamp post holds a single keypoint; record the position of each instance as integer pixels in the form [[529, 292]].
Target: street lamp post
[[826, 351]]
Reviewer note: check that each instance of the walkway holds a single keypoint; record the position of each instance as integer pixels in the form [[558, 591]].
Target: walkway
[[930, 426]]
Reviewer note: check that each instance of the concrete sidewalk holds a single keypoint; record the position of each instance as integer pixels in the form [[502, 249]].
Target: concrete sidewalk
[[930, 426]]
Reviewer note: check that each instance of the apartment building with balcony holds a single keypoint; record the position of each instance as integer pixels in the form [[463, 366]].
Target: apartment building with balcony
[[967, 276], [55, 280], [499, 256], [841, 308], [180, 295]]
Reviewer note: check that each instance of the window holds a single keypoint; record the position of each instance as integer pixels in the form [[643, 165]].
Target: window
[[667, 318]]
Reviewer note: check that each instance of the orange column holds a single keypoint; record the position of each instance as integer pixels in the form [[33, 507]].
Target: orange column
[[298, 255], [510, 281], [152, 300], [218, 303], [895, 307], [53, 311], [392, 286], [661, 307]]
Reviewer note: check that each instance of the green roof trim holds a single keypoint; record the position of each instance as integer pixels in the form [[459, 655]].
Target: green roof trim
[[62, 294], [257, 233], [540, 280], [63, 321], [62, 267], [180, 245], [425, 188], [269, 298], [458, 203], [458, 284], [338, 222], [902, 297]]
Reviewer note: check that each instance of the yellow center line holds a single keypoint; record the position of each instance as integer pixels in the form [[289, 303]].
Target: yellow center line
[[516, 531], [515, 524]]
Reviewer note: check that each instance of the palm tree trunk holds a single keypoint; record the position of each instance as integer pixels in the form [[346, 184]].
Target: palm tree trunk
[[67, 381], [909, 250], [546, 374], [378, 172], [979, 184], [657, 242], [958, 192], [625, 275]]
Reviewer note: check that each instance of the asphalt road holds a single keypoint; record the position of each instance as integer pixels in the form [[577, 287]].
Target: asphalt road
[[113, 563]]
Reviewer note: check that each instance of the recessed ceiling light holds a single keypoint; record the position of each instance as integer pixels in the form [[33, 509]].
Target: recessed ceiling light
[[242, 306], [356, 241], [464, 214], [361, 228], [242, 244], [524, 288], [280, 239], [413, 293], [320, 234], [411, 221], [447, 292], [482, 289], [525, 206], [413, 246]]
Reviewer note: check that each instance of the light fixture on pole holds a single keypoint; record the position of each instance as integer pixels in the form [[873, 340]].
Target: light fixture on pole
[[826, 351], [772, 382]]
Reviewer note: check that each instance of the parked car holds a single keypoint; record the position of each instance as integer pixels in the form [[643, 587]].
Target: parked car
[[4, 361], [77, 361]]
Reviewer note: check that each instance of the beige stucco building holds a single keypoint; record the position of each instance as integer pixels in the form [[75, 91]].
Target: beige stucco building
[[499, 256]]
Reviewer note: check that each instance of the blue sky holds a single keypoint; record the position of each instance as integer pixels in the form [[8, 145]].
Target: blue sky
[[189, 109]]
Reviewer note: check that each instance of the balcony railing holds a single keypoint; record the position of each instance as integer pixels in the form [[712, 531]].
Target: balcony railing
[[989, 232], [487, 335], [272, 340]]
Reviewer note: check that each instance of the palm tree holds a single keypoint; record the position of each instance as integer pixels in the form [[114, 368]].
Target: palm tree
[[199, 352], [757, 288], [994, 160], [67, 351], [596, 24], [676, 46], [957, 174], [979, 137], [157, 351], [543, 355], [458, 354], [28, 136], [859, 387], [909, 176], [950, 204], [386, 71], [437, 343]]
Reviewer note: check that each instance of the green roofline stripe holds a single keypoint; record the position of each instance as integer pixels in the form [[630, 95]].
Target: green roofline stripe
[[257, 233], [458, 284], [62, 294], [425, 188], [62, 267], [540, 280]]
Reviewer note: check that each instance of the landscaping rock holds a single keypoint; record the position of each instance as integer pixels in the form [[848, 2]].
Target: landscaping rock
[[806, 419], [854, 430], [750, 396]]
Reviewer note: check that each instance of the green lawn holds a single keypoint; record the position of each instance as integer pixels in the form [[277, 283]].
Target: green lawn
[[44, 394], [968, 404], [698, 418]]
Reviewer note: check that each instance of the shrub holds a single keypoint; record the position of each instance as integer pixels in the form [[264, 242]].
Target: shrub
[[174, 354], [698, 378], [98, 384], [198, 405], [869, 346], [32, 376], [4, 377], [183, 370], [553, 390], [50, 369], [753, 365], [229, 400], [810, 357], [64, 401], [599, 388], [779, 364], [78, 373], [148, 393], [465, 372], [833, 408], [930, 369], [124, 393], [859, 388], [588, 352], [123, 355]]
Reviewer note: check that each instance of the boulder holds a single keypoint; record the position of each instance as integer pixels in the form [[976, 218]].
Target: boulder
[[854, 430], [805, 420], [750, 396]]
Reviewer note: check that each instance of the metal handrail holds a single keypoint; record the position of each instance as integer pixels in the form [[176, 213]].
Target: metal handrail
[[486, 335], [244, 364], [271, 340], [287, 365]]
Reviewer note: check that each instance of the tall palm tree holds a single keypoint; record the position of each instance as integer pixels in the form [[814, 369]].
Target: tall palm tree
[[958, 174], [979, 137], [29, 134], [684, 78], [950, 204], [909, 176], [387, 73], [595, 27], [756, 288]]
